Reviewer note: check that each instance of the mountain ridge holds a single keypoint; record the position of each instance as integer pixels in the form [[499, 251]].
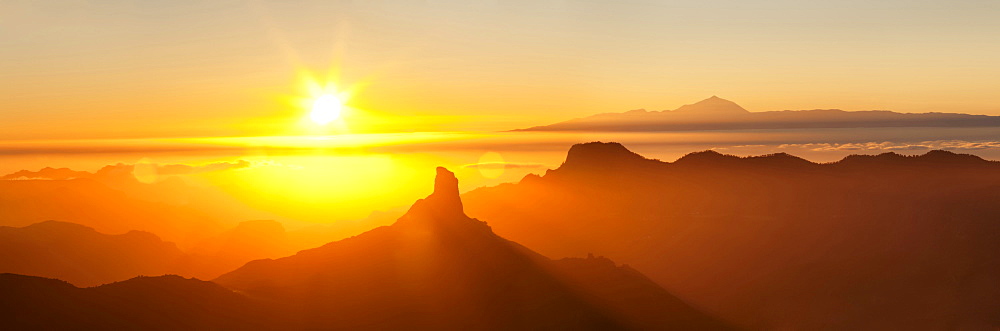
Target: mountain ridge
[[599, 154], [81, 255]]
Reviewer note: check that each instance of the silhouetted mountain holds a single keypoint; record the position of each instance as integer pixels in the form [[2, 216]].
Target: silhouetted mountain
[[92, 203], [777, 242], [718, 114], [82, 256], [202, 221], [143, 303], [935, 158], [436, 268]]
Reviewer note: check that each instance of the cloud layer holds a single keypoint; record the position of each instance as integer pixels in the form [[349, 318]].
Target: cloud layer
[[894, 146], [157, 169], [502, 165]]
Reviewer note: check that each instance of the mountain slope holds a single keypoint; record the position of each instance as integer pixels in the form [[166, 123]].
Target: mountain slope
[[143, 303], [82, 256], [719, 114], [775, 241], [436, 268]]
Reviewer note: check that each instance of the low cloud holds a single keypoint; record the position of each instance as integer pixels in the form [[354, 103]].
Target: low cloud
[[893, 146], [722, 149], [502, 165], [47, 173], [833, 151], [121, 168], [183, 169]]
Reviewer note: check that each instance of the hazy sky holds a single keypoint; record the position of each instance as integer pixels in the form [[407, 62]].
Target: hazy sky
[[79, 69]]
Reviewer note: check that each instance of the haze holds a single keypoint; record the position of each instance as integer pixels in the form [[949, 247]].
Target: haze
[[791, 165]]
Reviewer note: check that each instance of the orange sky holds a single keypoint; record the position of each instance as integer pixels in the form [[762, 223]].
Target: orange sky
[[112, 69]]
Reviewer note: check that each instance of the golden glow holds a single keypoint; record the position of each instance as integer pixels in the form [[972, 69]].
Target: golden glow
[[326, 109], [339, 141], [324, 188]]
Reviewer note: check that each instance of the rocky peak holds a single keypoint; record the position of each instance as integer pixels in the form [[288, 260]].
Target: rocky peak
[[600, 155], [443, 203]]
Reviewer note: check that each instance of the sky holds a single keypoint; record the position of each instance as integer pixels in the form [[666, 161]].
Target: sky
[[142, 69]]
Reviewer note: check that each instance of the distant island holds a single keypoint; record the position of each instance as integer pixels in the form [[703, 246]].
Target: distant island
[[720, 114]]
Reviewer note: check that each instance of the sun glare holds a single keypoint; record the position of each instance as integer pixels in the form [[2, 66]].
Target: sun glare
[[325, 109]]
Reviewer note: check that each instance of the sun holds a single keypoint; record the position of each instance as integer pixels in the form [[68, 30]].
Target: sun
[[326, 108], [326, 101]]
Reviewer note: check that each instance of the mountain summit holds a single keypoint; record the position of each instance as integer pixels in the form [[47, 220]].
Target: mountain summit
[[601, 155], [713, 105], [444, 201]]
